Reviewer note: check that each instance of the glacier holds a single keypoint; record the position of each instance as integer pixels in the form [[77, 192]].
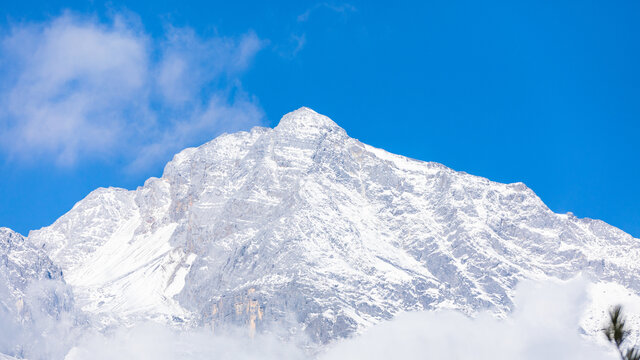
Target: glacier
[[304, 228]]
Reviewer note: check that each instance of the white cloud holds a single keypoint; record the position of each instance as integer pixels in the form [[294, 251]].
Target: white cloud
[[155, 342], [338, 8], [189, 63], [75, 88], [544, 326]]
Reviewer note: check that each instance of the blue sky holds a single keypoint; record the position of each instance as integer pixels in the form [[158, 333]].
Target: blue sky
[[103, 93]]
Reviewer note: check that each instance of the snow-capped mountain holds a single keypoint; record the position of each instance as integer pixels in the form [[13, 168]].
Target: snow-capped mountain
[[304, 227]]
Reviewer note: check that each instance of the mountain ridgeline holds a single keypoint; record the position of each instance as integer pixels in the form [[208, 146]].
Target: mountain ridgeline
[[304, 228]]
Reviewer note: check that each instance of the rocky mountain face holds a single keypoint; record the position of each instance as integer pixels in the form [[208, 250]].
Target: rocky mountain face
[[35, 302], [303, 227]]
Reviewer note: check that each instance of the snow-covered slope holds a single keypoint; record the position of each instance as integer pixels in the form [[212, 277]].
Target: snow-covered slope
[[115, 249], [305, 227]]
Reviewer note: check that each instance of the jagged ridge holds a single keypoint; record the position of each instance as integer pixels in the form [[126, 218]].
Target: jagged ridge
[[305, 227]]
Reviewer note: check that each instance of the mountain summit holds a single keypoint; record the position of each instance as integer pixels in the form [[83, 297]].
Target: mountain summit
[[307, 118], [302, 226]]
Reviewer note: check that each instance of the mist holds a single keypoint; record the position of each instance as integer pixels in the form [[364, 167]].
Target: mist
[[544, 325]]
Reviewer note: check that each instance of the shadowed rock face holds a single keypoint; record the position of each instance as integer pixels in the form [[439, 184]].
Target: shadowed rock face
[[302, 226]]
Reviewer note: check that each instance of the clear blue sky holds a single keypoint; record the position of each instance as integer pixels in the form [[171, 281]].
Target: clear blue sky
[[543, 92]]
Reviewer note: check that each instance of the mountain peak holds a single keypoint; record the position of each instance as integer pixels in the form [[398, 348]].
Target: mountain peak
[[306, 119], [304, 110]]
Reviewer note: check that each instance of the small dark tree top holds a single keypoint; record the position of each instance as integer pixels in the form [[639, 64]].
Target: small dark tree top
[[617, 332]]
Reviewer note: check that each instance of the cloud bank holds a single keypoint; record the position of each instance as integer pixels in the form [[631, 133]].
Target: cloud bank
[[151, 341], [543, 326], [76, 88]]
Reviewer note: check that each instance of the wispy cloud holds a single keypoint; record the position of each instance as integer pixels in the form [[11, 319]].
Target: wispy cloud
[[290, 48], [75, 88], [298, 39], [339, 8]]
